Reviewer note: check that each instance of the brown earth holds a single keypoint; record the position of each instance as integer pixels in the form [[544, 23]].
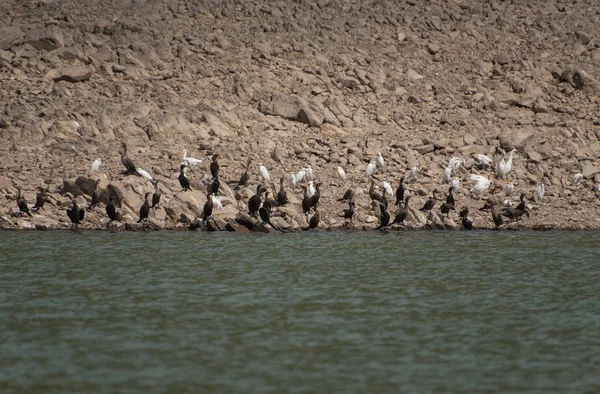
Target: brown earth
[[325, 83]]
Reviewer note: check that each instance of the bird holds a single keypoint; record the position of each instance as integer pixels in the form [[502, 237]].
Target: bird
[[514, 213], [341, 173], [269, 203], [402, 212], [22, 204], [111, 211], [40, 199], [466, 223], [310, 189], [496, 216], [400, 192], [265, 216], [214, 186], [183, 179], [483, 161], [384, 216], [300, 176], [190, 161], [376, 196], [76, 214], [144, 174], [481, 184], [214, 166], [429, 204], [455, 184], [130, 168], [95, 167], [445, 208], [379, 162], [292, 180], [314, 199], [454, 164], [217, 202], [245, 177], [208, 207], [387, 187], [576, 178], [539, 192], [305, 201], [370, 169], [450, 197], [447, 174], [255, 201], [264, 173], [309, 173], [314, 220], [522, 204], [414, 171], [348, 195], [505, 167], [145, 208], [349, 213], [281, 194], [156, 195], [95, 199], [509, 188]]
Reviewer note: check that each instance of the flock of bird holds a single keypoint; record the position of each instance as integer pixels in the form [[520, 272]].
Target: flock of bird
[[261, 204]]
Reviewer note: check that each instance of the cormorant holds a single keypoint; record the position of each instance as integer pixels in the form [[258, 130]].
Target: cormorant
[[130, 168], [269, 203], [281, 194], [305, 200], [376, 196], [429, 204], [40, 199], [400, 192], [156, 195], [76, 214], [467, 224], [22, 204], [349, 213], [208, 207], [314, 199], [450, 197], [111, 211], [214, 186], [145, 208], [314, 220], [445, 208], [244, 177], [255, 200], [348, 195], [496, 216], [402, 212], [183, 179], [214, 166], [95, 198], [384, 216], [264, 215], [514, 213], [522, 205]]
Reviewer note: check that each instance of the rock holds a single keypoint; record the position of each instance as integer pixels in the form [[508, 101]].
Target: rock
[[286, 107], [70, 187], [534, 157], [589, 171], [280, 224], [10, 36], [44, 39], [311, 113], [424, 149], [216, 224], [433, 48], [71, 74]]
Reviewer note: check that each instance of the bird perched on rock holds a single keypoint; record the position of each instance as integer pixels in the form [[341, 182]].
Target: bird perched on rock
[[402, 213], [445, 208], [190, 161], [447, 175], [514, 213], [370, 170], [466, 223], [341, 173], [264, 173], [450, 197], [577, 178], [348, 195], [76, 214], [454, 184], [414, 171], [539, 193], [454, 164], [314, 199], [245, 177], [300, 176], [429, 204], [379, 162], [156, 195], [95, 167], [145, 208], [400, 192], [183, 179], [208, 207], [349, 213], [505, 167], [310, 189], [308, 173], [265, 215], [384, 216], [214, 186], [255, 201], [111, 211], [130, 168], [144, 174], [269, 202], [22, 204], [305, 200], [481, 184], [483, 161], [496, 216], [376, 196], [214, 166], [314, 220], [387, 187], [40, 199], [522, 203], [281, 194]]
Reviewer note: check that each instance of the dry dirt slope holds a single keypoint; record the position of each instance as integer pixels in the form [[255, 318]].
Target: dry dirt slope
[[325, 83]]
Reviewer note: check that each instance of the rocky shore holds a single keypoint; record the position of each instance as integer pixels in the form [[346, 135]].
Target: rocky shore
[[321, 83]]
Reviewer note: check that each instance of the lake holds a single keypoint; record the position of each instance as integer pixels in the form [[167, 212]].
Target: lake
[[340, 312]]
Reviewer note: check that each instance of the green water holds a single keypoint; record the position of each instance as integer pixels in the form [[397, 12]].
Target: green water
[[163, 312]]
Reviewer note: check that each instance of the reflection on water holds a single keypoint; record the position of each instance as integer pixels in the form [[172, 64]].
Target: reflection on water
[[322, 312]]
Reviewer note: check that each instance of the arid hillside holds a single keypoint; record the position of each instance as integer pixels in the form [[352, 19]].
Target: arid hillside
[[296, 83]]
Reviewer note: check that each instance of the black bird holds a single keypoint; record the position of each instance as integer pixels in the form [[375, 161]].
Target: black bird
[[467, 224], [349, 213], [522, 205], [255, 200], [40, 199], [111, 211], [305, 200], [244, 177], [429, 204], [402, 212], [281, 194], [314, 199], [129, 166], [95, 198], [22, 204], [214, 186], [348, 195], [376, 196], [514, 213], [384, 216], [214, 166], [265, 216], [450, 197], [183, 179], [208, 207], [314, 220], [496, 216], [269, 203], [145, 208], [400, 192], [156, 195], [76, 214]]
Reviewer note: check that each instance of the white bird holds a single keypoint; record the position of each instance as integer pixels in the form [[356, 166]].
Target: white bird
[[576, 178], [309, 173], [483, 161], [504, 167], [301, 176], [454, 163], [341, 173], [310, 190], [539, 192], [455, 184], [145, 174], [481, 184], [292, 180], [414, 172], [370, 169], [190, 161], [216, 202], [447, 174], [387, 187], [508, 202], [509, 188], [262, 170], [96, 165], [379, 161]]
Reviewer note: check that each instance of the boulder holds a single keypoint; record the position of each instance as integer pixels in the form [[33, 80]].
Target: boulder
[[71, 74], [44, 39], [10, 36]]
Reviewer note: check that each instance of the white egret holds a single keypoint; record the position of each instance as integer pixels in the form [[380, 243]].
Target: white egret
[[454, 163], [292, 180], [96, 165], [190, 161], [144, 174], [310, 190], [309, 173], [414, 172], [576, 178], [370, 169], [262, 170], [216, 202], [483, 161], [301, 176], [447, 174], [455, 184], [539, 192], [505, 167], [387, 187], [379, 161], [341, 173], [509, 188], [481, 184]]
